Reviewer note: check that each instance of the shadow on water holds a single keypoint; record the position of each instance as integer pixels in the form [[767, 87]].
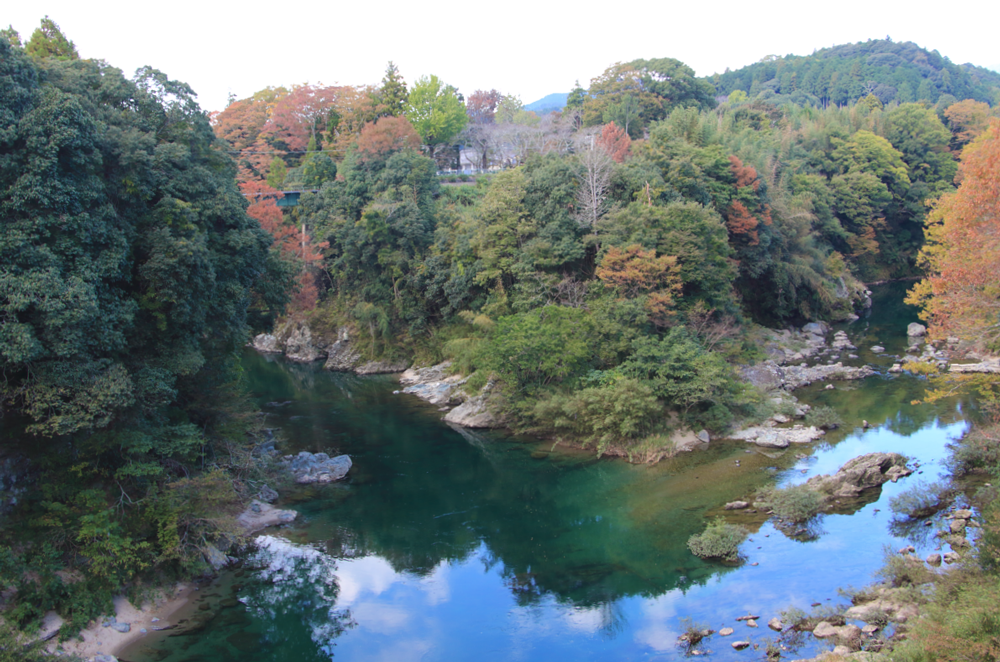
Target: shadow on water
[[454, 543]]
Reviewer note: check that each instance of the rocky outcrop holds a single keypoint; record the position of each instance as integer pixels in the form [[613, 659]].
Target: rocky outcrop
[[381, 367], [433, 384], [309, 468], [987, 366], [476, 412], [860, 474], [775, 437], [260, 515], [768, 375], [297, 341], [843, 633], [266, 343], [341, 355]]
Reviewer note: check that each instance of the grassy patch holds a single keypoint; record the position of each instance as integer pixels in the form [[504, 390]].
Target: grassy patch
[[720, 540]]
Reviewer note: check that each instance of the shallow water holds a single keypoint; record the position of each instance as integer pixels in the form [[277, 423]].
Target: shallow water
[[447, 544]]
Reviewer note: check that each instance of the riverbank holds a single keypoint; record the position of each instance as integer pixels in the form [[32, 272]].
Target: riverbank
[[100, 639]]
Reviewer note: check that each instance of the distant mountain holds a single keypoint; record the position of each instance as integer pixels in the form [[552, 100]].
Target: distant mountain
[[843, 74], [549, 103]]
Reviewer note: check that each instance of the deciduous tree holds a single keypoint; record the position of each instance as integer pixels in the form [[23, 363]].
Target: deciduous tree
[[961, 297], [389, 134], [436, 112]]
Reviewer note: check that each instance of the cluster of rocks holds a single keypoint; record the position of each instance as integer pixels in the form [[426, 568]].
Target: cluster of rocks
[[854, 477], [436, 386], [309, 468], [798, 376], [770, 376], [340, 353], [859, 474], [775, 437]]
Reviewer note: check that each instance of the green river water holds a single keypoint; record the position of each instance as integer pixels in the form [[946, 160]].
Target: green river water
[[447, 544]]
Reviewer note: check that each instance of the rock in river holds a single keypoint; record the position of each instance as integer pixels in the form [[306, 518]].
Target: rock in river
[[433, 384], [260, 515], [318, 467], [770, 437], [861, 473]]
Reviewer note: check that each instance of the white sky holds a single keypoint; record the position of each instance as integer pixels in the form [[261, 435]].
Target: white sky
[[526, 47]]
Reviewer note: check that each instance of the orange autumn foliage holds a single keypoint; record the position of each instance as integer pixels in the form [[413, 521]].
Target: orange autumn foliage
[[741, 222], [615, 141], [967, 119], [294, 243], [388, 134], [961, 296], [635, 270], [745, 175]]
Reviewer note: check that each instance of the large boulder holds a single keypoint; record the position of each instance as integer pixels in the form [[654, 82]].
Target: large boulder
[[260, 515], [474, 413], [916, 330], [816, 328], [317, 467], [845, 633], [266, 343], [299, 343], [341, 354], [767, 376], [860, 474], [433, 384]]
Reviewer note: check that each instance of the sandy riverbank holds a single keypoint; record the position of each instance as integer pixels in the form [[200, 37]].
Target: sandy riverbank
[[96, 639]]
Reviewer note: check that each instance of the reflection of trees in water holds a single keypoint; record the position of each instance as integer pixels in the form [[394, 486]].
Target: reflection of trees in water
[[292, 593]]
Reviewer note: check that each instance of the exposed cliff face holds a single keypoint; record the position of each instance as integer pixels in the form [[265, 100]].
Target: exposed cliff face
[[297, 341]]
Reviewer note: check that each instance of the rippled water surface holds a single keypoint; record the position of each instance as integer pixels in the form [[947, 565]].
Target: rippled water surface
[[447, 544]]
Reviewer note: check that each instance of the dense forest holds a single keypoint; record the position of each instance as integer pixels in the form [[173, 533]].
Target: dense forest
[[899, 72], [127, 266], [602, 271], [638, 231]]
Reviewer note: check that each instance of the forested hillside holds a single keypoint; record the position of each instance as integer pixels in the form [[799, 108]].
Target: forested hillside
[[605, 264], [899, 72], [127, 267], [600, 277]]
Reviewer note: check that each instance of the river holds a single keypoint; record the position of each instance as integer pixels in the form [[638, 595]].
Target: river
[[447, 544]]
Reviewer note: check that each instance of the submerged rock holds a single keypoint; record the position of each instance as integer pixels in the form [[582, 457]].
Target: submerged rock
[[686, 440]]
